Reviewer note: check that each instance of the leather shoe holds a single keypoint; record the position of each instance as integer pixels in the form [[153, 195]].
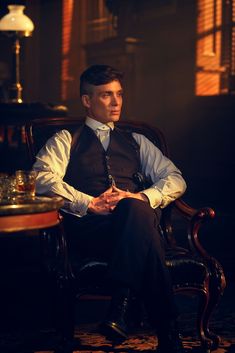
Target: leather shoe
[[169, 340], [114, 326]]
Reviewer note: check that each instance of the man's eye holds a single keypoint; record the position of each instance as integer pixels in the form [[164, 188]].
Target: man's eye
[[105, 95]]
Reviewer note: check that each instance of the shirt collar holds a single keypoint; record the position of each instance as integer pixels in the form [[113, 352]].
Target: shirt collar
[[94, 124]]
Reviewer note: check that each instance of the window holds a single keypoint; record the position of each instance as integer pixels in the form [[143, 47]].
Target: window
[[215, 58], [83, 22]]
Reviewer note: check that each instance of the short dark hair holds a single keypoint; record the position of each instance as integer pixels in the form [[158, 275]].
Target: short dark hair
[[98, 75]]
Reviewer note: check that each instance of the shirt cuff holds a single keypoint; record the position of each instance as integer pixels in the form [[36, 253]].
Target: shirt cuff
[[79, 208], [154, 196]]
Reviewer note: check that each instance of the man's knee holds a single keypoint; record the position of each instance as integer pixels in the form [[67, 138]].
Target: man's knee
[[138, 207], [132, 203], [140, 225]]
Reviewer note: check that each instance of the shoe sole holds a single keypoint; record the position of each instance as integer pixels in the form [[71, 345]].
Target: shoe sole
[[112, 331]]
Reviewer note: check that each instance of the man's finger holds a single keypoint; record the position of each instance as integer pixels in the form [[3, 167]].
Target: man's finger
[[108, 191], [114, 188]]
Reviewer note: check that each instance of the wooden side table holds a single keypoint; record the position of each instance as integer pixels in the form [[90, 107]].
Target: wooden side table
[[42, 214], [23, 215]]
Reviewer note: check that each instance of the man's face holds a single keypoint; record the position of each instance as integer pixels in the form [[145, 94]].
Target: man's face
[[105, 102]]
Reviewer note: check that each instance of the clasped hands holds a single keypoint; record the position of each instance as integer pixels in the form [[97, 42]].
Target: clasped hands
[[107, 201]]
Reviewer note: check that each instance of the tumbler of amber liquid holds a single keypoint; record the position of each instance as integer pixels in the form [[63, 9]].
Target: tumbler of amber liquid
[[26, 183]]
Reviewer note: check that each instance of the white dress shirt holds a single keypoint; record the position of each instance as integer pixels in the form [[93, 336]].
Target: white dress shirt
[[52, 161]]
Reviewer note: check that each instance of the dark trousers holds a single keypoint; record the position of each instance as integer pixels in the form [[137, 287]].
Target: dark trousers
[[129, 240]]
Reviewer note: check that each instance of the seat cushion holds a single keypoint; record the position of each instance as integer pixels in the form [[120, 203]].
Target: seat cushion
[[186, 269], [91, 277]]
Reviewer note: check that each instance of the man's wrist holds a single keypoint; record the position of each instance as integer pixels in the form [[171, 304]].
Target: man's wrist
[[144, 197], [90, 206]]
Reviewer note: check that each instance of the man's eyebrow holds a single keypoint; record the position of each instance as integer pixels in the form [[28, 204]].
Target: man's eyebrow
[[102, 92], [110, 92]]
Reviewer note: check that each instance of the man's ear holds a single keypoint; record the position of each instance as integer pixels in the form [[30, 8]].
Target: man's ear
[[86, 100]]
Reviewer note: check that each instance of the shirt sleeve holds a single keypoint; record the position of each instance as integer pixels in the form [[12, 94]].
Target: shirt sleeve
[[51, 164], [167, 181]]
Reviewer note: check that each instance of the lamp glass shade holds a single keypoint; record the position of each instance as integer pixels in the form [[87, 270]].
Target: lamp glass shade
[[16, 20]]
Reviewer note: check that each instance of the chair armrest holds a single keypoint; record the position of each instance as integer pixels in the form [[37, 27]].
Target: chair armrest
[[196, 218]]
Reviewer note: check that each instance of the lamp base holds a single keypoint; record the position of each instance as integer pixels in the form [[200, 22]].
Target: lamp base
[[15, 93]]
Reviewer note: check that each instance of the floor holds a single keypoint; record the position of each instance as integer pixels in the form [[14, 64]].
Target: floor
[[222, 323]]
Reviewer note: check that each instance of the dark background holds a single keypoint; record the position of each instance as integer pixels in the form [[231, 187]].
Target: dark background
[[159, 68]]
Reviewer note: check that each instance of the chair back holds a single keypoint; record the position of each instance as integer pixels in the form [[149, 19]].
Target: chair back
[[38, 131]]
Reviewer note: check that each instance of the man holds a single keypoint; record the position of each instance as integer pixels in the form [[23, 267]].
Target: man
[[100, 171]]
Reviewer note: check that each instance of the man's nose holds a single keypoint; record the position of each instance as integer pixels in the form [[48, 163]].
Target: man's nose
[[115, 100]]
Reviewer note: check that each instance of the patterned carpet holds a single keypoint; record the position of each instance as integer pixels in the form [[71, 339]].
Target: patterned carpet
[[222, 323]]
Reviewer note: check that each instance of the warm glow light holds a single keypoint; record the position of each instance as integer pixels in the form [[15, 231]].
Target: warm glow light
[[208, 51], [17, 25], [84, 22], [233, 42], [66, 40], [16, 20]]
